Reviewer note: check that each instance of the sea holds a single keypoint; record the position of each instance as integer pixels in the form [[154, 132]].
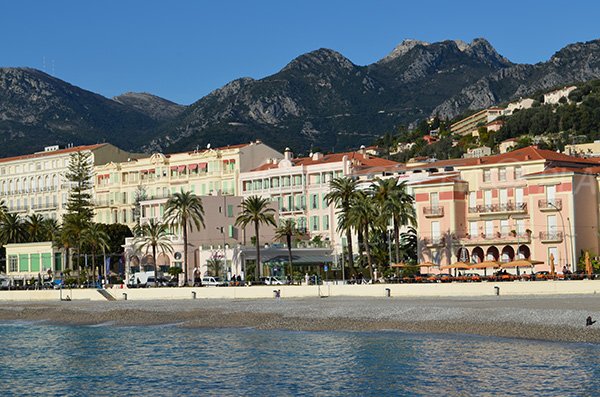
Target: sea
[[39, 359]]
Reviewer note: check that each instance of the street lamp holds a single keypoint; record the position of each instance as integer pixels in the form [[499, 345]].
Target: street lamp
[[562, 221]]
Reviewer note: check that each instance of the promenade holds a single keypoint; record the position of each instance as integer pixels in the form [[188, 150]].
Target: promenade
[[514, 288]]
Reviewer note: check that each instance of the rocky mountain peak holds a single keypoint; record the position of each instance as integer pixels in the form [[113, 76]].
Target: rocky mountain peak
[[405, 46], [154, 106], [318, 59]]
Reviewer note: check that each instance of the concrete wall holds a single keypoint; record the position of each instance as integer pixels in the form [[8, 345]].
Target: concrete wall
[[379, 290]]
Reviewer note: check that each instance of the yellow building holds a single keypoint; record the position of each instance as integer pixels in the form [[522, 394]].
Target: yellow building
[[35, 183], [30, 260], [203, 172], [469, 125]]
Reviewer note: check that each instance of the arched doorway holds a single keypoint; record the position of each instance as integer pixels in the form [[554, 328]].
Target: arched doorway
[[523, 252], [148, 263], [163, 261], [134, 263], [477, 255], [492, 254], [462, 255], [508, 254]]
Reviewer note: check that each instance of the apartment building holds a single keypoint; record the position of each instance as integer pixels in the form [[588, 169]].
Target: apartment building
[[211, 171], [299, 186], [35, 183], [470, 124], [525, 204]]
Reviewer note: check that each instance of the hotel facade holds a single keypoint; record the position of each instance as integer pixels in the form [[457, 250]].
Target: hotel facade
[[526, 204]]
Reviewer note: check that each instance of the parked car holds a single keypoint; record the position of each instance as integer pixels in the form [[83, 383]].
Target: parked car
[[473, 277], [210, 281], [444, 278], [271, 281]]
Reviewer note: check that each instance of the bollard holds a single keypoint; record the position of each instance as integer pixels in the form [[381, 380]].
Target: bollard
[[388, 292], [193, 294], [497, 290], [124, 296]]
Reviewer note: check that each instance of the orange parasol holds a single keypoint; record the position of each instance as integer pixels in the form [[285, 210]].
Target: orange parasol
[[552, 265]]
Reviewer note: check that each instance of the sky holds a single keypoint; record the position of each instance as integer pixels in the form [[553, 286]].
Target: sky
[[182, 50]]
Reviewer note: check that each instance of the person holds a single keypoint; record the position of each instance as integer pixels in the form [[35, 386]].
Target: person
[[232, 280], [589, 321], [306, 278], [289, 279], [239, 280]]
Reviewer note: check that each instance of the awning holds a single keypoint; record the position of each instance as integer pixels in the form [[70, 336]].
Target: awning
[[152, 171], [203, 166], [181, 168], [301, 259], [192, 166], [173, 168]]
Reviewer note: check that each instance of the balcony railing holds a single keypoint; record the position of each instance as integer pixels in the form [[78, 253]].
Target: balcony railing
[[550, 205], [551, 237], [499, 208], [434, 211], [495, 238]]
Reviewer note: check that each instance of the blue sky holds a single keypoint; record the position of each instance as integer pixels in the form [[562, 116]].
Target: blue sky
[[181, 50]]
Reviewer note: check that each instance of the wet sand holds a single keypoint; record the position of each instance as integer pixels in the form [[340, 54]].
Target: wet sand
[[554, 318]]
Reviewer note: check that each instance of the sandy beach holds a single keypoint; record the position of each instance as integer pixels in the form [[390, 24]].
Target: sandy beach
[[554, 318]]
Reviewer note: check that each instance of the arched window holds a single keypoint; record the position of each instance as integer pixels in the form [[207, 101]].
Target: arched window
[[47, 181], [55, 181], [19, 185], [40, 183], [11, 187]]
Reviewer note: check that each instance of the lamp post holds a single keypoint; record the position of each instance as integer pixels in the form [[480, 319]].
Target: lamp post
[[562, 221]]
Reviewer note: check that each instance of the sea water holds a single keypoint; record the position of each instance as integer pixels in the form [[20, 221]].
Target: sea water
[[108, 360]]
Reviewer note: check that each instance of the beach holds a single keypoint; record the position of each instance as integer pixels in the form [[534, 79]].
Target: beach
[[551, 318]]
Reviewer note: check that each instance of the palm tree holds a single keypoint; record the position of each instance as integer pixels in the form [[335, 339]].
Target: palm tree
[[97, 240], [255, 209], [3, 209], [154, 235], [35, 228], [185, 209], [342, 192], [12, 229], [50, 229], [287, 230], [363, 215], [395, 203]]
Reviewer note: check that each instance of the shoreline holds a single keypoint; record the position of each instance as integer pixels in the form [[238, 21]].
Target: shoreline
[[556, 318]]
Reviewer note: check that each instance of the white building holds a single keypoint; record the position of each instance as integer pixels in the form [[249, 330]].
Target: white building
[[554, 97]]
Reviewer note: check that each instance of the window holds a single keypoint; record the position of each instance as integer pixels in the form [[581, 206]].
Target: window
[[504, 228], [472, 199], [314, 223], [519, 196], [229, 211], [502, 174], [314, 201], [551, 225], [13, 263], [489, 228], [487, 197], [503, 196], [487, 175], [434, 199], [518, 172], [473, 228], [551, 194], [435, 231], [286, 181], [326, 222], [520, 226]]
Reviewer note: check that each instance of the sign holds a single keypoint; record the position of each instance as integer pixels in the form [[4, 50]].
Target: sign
[[325, 267]]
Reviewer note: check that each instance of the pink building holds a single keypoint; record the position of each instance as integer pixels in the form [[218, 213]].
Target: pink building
[[299, 186], [525, 204]]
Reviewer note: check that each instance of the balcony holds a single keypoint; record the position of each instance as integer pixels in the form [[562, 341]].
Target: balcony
[[550, 205], [506, 208], [433, 212], [495, 238], [434, 241], [551, 237]]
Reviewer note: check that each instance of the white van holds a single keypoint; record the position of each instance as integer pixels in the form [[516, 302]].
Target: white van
[[210, 281]]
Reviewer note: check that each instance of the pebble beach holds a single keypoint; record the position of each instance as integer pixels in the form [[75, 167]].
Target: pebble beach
[[553, 318]]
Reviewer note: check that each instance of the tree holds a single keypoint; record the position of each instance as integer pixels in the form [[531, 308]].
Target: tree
[[34, 226], [185, 209], [342, 192], [255, 209], [79, 205], [97, 240], [3, 209], [394, 203], [50, 229], [154, 236], [362, 215], [139, 196], [12, 229], [287, 230]]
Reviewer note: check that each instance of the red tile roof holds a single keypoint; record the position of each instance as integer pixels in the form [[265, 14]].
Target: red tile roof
[[442, 179], [52, 153], [358, 158]]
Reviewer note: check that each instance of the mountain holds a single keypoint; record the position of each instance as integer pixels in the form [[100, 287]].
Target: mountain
[[38, 110], [319, 99], [323, 99], [152, 106]]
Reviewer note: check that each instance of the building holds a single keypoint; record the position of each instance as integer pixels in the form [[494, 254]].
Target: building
[[583, 149], [212, 241], [478, 152], [528, 203], [33, 260], [507, 145], [119, 185], [36, 182], [521, 104], [554, 97], [470, 124], [299, 186]]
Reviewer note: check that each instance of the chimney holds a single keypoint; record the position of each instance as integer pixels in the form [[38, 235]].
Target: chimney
[[287, 154], [317, 156]]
